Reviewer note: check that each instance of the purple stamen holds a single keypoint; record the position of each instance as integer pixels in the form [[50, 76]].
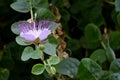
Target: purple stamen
[[32, 31]]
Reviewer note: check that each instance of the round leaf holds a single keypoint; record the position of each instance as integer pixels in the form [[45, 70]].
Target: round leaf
[[90, 69], [53, 60], [38, 69], [26, 53], [15, 27], [21, 41], [37, 54], [50, 69], [92, 33], [110, 54], [115, 76], [68, 66], [117, 5], [114, 39], [99, 56], [21, 6], [50, 49], [45, 14], [115, 66]]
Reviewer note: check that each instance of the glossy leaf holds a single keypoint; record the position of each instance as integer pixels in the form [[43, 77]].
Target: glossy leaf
[[50, 69], [52, 40], [117, 5], [110, 54], [53, 60], [68, 66], [115, 76], [15, 27], [37, 54], [118, 18], [115, 66], [50, 49], [40, 3], [90, 69], [114, 39], [89, 44], [26, 55], [21, 6], [92, 33], [21, 41], [45, 14], [38, 69], [99, 56]]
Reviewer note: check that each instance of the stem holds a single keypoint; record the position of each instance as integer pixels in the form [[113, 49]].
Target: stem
[[31, 11], [102, 43], [110, 2]]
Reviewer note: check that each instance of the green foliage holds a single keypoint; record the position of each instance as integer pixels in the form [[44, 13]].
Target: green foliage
[[115, 66], [90, 69], [114, 39], [99, 56], [21, 41], [44, 14], [92, 36], [110, 54], [117, 5], [4, 74], [50, 69], [53, 60], [68, 66], [21, 6], [38, 69], [37, 54], [92, 33], [50, 47], [115, 76], [15, 27], [40, 3], [83, 23], [27, 53]]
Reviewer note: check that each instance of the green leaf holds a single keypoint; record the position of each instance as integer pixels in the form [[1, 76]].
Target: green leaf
[[90, 11], [50, 49], [55, 25], [50, 69], [38, 69], [115, 76], [110, 54], [27, 53], [105, 75], [114, 39], [21, 6], [118, 18], [21, 41], [90, 69], [40, 3], [92, 33], [117, 5], [115, 66], [89, 44], [44, 14], [53, 60], [99, 56], [92, 37], [4, 74], [68, 66], [37, 54], [52, 40], [15, 27]]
